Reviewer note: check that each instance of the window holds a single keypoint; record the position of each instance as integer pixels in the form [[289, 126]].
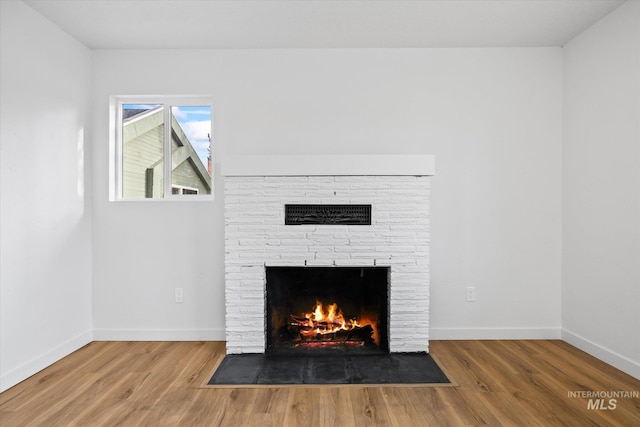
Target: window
[[176, 189], [162, 148]]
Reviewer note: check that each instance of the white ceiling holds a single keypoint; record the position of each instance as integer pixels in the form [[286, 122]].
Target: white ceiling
[[322, 23]]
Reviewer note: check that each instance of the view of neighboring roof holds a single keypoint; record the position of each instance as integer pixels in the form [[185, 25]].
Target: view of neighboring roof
[[128, 113]]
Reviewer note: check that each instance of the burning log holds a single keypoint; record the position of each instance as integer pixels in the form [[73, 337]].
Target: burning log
[[362, 334], [298, 320], [328, 326], [322, 325]]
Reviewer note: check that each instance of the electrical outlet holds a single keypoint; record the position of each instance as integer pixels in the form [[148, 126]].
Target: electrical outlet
[[471, 293], [179, 295]]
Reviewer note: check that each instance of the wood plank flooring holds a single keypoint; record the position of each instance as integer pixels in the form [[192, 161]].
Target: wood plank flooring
[[159, 384]]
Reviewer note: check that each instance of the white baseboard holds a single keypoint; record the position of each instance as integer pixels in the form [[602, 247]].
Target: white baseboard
[[611, 357], [159, 335], [494, 334], [35, 365]]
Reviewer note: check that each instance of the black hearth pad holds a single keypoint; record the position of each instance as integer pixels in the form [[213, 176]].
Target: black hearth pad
[[270, 369]]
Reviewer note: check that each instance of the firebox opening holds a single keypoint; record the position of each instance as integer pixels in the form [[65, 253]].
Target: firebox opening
[[327, 309]]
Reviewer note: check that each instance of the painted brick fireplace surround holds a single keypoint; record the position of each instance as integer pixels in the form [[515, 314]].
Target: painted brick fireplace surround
[[256, 189]]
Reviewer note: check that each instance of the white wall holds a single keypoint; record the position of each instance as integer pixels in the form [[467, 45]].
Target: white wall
[[601, 190], [491, 117], [45, 279]]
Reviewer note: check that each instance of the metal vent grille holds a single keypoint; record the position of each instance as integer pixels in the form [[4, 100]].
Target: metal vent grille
[[327, 214]]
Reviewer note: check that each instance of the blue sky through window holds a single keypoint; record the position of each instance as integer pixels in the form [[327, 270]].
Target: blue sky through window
[[196, 124]]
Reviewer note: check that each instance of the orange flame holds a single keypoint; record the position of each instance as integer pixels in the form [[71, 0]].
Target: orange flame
[[329, 320]]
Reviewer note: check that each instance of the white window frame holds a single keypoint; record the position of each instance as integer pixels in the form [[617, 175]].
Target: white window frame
[[116, 150]]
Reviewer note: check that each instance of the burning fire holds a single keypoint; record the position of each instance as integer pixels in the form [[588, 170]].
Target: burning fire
[[328, 323]]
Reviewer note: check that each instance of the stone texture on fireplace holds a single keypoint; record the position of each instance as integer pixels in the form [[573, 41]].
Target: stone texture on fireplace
[[256, 236]]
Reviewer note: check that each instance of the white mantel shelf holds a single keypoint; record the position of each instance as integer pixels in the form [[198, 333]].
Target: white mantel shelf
[[328, 165]]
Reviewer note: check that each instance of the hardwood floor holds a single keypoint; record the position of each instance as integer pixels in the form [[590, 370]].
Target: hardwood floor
[[159, 384]]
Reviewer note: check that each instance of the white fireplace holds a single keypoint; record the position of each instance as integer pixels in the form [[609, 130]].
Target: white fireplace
[[256, 190]]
